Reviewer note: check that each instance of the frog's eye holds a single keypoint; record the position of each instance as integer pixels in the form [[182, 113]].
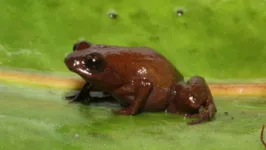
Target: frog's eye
[[95, 62], [81, 45]]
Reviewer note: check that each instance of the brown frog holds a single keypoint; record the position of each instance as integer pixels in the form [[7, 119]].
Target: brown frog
[[141, 79]]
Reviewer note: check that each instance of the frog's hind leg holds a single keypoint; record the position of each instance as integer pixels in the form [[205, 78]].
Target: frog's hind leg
[[141, 90], [203, 93]]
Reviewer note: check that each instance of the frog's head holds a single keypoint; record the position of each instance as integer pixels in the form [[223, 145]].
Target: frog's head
[[85, 61], [91, 64]]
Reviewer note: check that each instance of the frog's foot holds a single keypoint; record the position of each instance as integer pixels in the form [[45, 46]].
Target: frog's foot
[[201, 118], [85, 99], [192, 116], [205, 115], [70, 97], [198, 121], [125, 111]]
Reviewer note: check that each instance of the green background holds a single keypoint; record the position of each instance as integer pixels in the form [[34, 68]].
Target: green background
[[217, 39]]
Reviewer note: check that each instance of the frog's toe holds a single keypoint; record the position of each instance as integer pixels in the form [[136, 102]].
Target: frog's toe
[[73, 98], [70, 97], [192, 116], [86, 100], [124, 111], [199, 121], [194, 122]]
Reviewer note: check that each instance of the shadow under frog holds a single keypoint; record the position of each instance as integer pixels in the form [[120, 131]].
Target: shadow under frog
[[140, 79]]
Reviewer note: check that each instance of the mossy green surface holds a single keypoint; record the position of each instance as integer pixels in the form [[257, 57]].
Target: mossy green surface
[[217, 39], [39, 119]]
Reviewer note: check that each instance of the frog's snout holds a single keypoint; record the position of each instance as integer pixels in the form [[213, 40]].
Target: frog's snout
[[69, 62], [74, 63]]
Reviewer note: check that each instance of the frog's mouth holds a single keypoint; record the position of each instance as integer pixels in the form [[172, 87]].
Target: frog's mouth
[[81, 70], [77, 66]]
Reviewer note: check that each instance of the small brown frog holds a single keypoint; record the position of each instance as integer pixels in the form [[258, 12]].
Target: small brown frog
[[141, 79]]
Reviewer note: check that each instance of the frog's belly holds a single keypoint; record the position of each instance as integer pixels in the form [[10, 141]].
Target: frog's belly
[[158, 99]]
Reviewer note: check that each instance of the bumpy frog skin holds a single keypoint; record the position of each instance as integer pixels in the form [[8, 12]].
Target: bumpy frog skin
[[140, 79]]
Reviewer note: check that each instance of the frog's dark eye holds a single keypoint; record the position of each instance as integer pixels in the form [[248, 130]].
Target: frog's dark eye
[[81, 45], [95, 62]]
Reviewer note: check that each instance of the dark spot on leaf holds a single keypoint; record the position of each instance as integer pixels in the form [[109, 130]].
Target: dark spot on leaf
[[97, 9], [132, 43], [193, 51], [236, 19], [226, 113], [180, 12], [252, 14], [52, 4], [154, 38], [113, 15], [185, 25], [139, 14], [232, 118]]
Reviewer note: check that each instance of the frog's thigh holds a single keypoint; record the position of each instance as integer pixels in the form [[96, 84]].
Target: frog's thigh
[[158, 99], [140, 89]]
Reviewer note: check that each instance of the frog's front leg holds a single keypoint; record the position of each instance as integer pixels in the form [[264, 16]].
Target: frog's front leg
[[82, 96], [141, 89]]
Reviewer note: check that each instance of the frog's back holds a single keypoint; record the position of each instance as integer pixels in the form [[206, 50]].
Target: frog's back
[[134, 62]]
